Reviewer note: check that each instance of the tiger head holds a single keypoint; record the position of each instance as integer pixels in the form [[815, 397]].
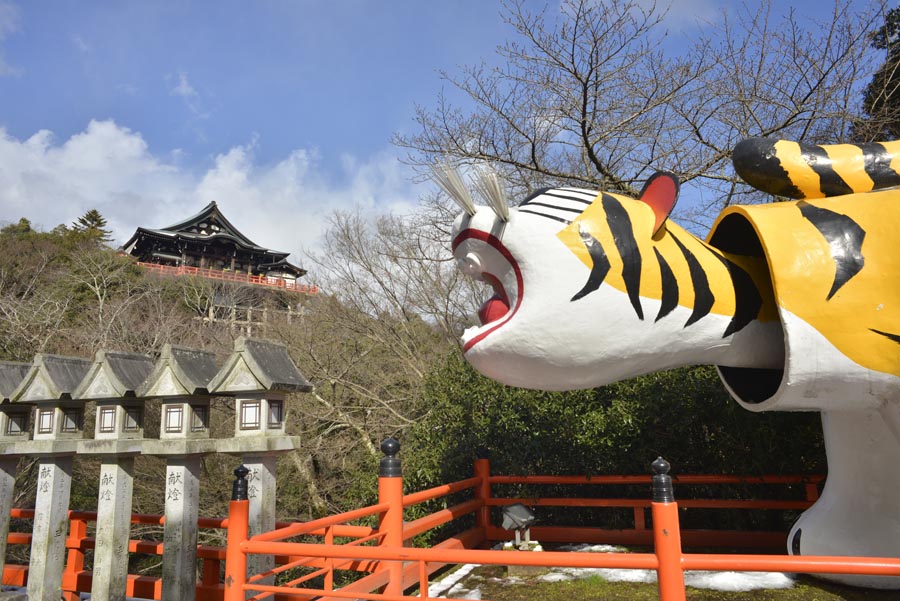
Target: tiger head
[[569, 308]]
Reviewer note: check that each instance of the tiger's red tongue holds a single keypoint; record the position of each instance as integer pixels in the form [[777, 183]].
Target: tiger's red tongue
[[493, 309]]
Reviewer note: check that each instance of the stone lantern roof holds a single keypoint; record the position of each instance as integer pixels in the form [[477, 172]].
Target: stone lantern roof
[[114, 375], [49, 384], [51, 378], [180, 371], [11, 375], [259, 366]]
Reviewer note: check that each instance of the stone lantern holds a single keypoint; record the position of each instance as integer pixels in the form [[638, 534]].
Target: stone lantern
[[112, 381], [13, 429], [180, 379], [58, 426], [259, 374], [49, 384]]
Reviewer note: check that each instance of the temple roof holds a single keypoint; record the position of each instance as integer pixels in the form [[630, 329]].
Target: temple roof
[[210, 225]]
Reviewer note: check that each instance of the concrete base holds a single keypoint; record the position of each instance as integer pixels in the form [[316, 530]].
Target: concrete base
[[858, 513]]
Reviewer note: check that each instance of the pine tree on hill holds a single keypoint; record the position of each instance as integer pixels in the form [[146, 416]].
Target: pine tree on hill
[[92, 225]]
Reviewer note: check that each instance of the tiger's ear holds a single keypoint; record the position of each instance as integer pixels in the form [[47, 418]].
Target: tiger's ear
[[660, 193]]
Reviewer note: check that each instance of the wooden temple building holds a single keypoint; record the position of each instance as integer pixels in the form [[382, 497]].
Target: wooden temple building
[[208, 245]]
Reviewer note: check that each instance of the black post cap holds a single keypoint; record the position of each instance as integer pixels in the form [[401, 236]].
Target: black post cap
[[239, 488], [390, 463], [663, 492]]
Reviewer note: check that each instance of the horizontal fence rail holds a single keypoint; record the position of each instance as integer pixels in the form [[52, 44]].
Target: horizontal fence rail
[[393, 568], [230, 276], [368, 553]]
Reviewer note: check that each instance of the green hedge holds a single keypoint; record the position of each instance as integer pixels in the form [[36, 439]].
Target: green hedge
[[684, 415]]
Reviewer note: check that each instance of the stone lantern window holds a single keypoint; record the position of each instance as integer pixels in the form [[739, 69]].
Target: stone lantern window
[[14, 423], [45, 420], [276, 414], [106, 420], [250, 414], [199, 418], [72, 420], [134, 419], [173, 418]]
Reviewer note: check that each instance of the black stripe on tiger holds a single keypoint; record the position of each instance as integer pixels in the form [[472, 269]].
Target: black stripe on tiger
[[553, 217], [703, 296], [845, 238], [891, 337], [757, 162], [747, 299], [600, 266], [556, 207], [830, 182], [877, 161], [623, 235], [669, 296]]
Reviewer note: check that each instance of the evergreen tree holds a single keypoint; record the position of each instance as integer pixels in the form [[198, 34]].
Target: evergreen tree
[[17, 229], [92, 226], [881, 99]]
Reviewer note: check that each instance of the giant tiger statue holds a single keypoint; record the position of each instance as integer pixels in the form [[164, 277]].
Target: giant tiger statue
[[797, 304]]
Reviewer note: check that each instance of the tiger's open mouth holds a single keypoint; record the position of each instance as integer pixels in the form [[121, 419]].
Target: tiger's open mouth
[[483, 257]]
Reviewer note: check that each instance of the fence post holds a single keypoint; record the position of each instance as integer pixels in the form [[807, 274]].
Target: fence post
[[666, 534], [483, 491], [238, 523], [390, 491], [74, 559]]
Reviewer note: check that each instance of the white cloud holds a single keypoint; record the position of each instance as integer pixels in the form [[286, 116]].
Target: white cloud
[[189, 95], [283, 205], [184, 87], [80, 44], [9, 23]]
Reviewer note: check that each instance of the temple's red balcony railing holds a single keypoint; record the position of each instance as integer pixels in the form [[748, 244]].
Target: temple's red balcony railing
[[231, 276]]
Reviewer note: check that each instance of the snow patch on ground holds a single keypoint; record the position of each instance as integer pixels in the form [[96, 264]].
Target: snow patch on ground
[[450, 584], [454, 584]]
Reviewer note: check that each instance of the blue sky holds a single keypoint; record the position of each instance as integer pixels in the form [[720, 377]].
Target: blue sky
[[281, 111]]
